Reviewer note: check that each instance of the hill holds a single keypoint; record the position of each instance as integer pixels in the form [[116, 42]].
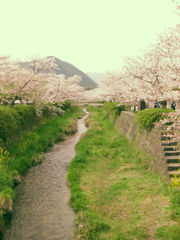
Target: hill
[[70, 70]]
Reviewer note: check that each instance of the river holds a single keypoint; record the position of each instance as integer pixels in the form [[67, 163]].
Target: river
[[41, 210]]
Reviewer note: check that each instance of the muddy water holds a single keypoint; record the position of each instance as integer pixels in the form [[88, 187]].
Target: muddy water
[[41, 210]]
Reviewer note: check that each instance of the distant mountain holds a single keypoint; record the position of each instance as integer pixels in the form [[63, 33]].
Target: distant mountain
[[70, 70], [97, 77]]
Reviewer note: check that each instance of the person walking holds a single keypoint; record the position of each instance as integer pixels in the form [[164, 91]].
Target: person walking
[[156, 104], [173, 105]]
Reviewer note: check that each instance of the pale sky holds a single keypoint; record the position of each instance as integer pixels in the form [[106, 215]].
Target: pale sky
[[93, 35]]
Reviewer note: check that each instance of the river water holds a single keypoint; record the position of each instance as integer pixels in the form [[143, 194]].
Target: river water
[[41, 210]]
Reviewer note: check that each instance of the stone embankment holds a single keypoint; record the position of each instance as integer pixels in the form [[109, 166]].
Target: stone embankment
[[158, 147]]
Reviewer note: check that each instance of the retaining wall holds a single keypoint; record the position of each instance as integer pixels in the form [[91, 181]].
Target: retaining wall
[[147, 142]]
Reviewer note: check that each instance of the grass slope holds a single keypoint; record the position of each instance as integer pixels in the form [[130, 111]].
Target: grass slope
[[25, 152], [114, 193]]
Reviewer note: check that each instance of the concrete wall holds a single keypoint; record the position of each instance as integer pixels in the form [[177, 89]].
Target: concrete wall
[[148, 143]]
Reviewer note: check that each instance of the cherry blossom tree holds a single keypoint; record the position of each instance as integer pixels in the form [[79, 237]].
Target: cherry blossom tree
[[152, 76], [24, 82], [158, 68], [177, 3], [169, 46], [7, 69], [34, 81], [148, 69], [117, 88], [60, 88], [33, 78]]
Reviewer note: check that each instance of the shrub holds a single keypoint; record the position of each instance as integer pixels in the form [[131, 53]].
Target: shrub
[[114, 109], [9, 123], [52, 109], [27, 115], [66, 105], [145, 119], [4, 158], [6, 198], [14, 120]]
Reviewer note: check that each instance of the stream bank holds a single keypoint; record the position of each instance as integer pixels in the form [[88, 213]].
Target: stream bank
[[41, 209]]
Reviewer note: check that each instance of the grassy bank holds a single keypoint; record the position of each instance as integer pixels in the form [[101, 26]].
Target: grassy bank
[[114, 193], [145, 119], [113, 109], [27, 151], [14, 121]]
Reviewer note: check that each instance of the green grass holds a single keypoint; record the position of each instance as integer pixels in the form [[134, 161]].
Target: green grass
[[145, 119], [24, 152], [27, 152], [14, 120], [112, 110], [114, 193]]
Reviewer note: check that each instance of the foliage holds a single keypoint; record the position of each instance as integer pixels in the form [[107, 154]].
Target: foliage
[[19, 81], [145, 119], [4, 158], [36, 80], [114, 109], [6, 197], [175, 203], [91, 222], [175, 181], [27, 116], [66, 105], [152, 76], [52, 109], [14, 120], [23, 152], [168, 232], [61, 88], [113, 193]]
